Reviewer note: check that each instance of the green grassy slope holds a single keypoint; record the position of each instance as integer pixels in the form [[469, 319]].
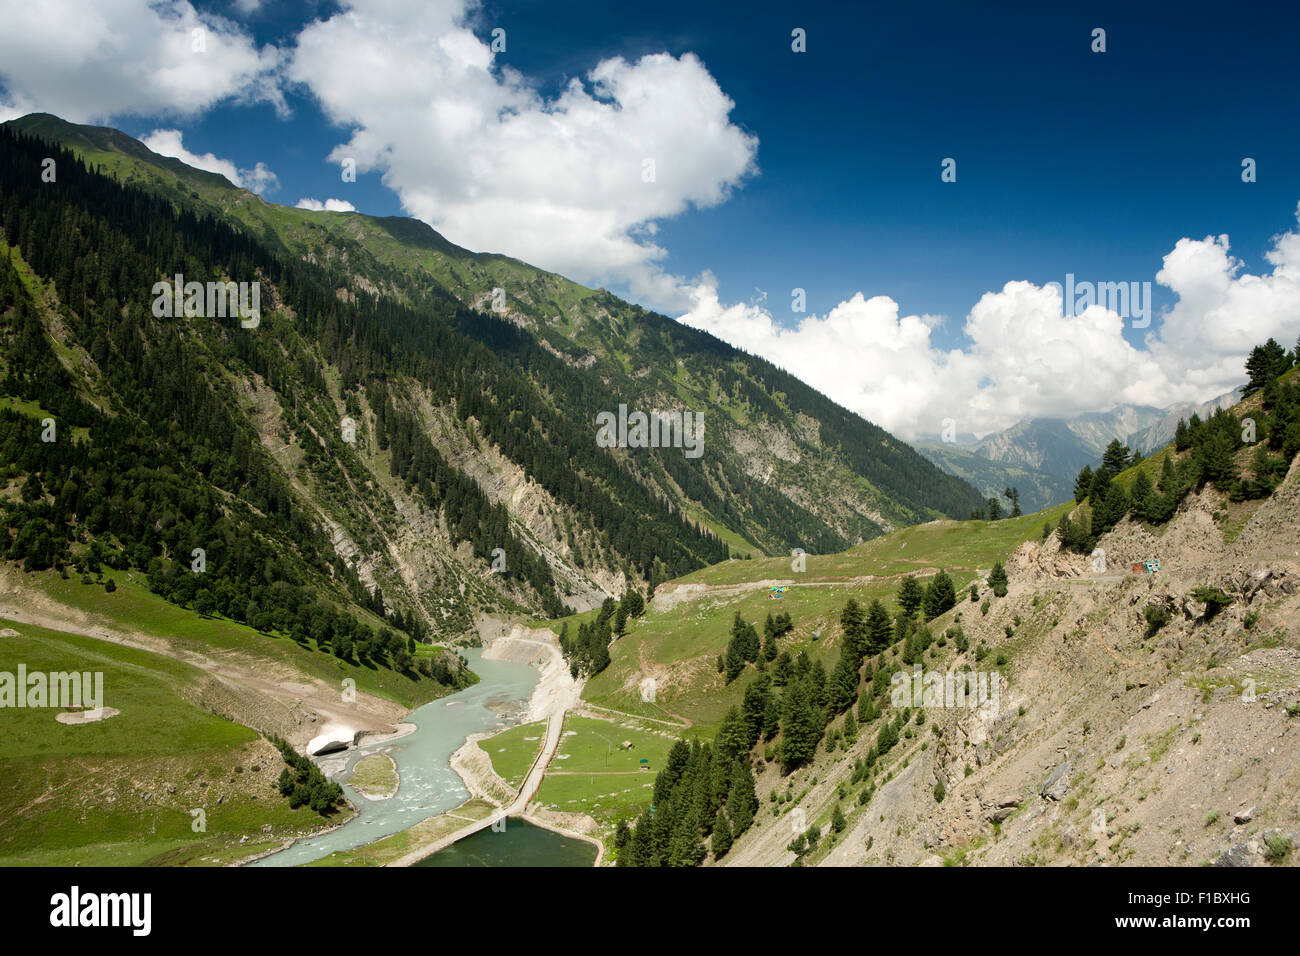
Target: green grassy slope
[[680, 644], [132, 607], [121, 791]]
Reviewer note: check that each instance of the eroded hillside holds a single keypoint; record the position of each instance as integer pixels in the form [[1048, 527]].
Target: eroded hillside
[[1114, 740]]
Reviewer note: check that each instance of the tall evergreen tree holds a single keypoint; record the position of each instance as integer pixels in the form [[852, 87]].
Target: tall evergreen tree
[[998, 580], [910, 595], [801, 726], [1083, 484], [722, 838], [940, 595], [879, 628], [1265, 364], [742, 800], [1143, 492], [1115, 458]]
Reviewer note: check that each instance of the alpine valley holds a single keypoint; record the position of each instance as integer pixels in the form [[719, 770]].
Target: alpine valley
[[367, 542]]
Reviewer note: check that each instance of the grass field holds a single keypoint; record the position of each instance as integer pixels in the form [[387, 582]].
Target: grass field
[[963, 545], [122, 791], [593, 773], [134, 607], [596, 746], [606, 797], [681, 645], [513, 751], [374, 775]]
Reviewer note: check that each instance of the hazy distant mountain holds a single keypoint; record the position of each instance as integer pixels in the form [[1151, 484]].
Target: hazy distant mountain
[[1161, 433], [1042, 456], [1062, 447], [1037, 488]]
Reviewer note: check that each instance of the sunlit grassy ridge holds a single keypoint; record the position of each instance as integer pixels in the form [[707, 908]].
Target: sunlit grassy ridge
[[947, 544], [133, 607]]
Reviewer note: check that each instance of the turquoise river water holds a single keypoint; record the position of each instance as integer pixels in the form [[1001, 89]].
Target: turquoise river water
[[429, 786]]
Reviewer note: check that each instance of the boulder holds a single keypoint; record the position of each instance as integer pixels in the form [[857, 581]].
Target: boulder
[[1057, 783], [1236, 855], [999, 814], [1257, 579], [999, 798]]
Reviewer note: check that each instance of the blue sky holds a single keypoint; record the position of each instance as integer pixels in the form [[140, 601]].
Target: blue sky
[[1068, 161]]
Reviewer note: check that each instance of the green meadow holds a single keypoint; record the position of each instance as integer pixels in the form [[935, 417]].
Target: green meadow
[[607, 798], [513, 751], [133, 607], [682, 644], [595, 773], [121, 791]]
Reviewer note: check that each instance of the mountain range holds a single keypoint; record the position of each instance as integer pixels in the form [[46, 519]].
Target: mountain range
[[1042, 456], [419, 420]]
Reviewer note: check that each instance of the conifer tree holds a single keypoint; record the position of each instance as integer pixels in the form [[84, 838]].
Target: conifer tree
[[1115, 458], [801, 726], [1083, 483], [742, 800], [1265, 364], [843, 681], [879, 629], [1143, 491], [940, 595], [998, 580], [754, 707], [910, 595], [850, 728], [722, 838], [854, 623], [732, 738]]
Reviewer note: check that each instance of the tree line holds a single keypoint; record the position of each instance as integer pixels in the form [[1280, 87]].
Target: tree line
[[1204, 452], [703, 798], [588, 651]]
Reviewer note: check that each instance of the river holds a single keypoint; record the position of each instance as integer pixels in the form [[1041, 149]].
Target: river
[[428, 785]]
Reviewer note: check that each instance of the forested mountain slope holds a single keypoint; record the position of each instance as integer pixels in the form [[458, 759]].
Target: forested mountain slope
[[428, 459], [771, 436]]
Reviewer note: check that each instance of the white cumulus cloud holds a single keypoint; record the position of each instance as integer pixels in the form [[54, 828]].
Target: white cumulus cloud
[[90, 60], [1025, 357], [329, 205], [169, 142], [573, 183]]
